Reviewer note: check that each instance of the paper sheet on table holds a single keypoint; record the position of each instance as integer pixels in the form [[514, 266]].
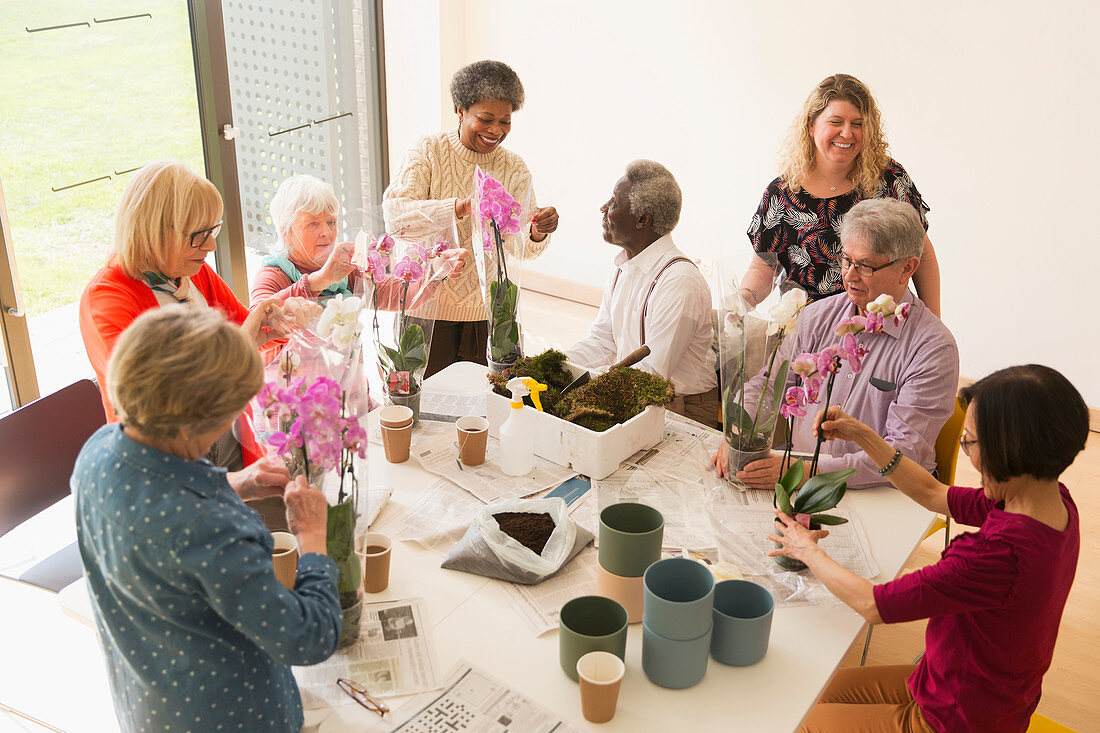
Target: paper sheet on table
[[422, 430], [539, 604], [377, 498], [487, 482], [743, 545], [681, 503], [685, 451], [474, 701], [393, 656], [437, 520], [449, 406]]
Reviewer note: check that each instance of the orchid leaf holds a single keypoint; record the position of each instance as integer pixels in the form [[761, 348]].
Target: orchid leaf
[[822, 501], [340, 545], [827, 519], [779, 386], [783, 498], [793, 477]]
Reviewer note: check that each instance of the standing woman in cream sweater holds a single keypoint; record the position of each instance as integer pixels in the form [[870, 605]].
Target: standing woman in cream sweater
[[437, 180]]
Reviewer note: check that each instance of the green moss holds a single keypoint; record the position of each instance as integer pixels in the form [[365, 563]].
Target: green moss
[[604, 402]]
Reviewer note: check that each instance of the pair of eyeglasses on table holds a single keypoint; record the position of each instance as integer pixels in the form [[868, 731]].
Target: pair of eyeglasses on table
[[359, 693]]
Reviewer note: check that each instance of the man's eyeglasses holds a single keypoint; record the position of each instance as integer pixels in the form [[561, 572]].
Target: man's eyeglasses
[[359, 693], [965, 444], [862, 268], [199, 238]]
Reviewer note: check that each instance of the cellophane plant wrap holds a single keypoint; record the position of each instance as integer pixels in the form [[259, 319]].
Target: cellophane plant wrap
[[402, 273], [499, 238], [750, 341], [311, 411]]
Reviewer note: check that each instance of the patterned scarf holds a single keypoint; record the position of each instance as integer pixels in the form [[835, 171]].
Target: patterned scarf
[[178, 288]]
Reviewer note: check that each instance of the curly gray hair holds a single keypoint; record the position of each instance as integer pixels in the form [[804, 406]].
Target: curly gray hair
[[654, 191], [486, 81], [890, 227], [297, 194]]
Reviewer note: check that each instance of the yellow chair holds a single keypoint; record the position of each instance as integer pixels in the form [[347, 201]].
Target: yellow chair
[[947, 459], [1042, 724]]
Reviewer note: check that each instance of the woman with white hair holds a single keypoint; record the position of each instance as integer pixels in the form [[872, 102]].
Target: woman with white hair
[[310, 263], [834, 156], [437, 179], [197, 632]]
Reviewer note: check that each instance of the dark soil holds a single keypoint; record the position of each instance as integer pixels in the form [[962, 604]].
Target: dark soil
[[530, 530]]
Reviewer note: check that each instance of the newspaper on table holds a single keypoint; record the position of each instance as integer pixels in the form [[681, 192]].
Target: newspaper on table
[[487, 482], [393, 656], [449, 406], [685, 451], [540, 604], [474, 701], [681, 503], [421, 430], [436, 521], [377, 498]]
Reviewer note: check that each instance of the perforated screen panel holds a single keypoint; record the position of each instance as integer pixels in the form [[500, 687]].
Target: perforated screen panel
[[301, 99]]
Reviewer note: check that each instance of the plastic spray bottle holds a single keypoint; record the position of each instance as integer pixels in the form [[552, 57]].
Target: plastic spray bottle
[[517, 434]]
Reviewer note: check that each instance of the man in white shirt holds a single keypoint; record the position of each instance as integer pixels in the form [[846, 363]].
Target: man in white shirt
[[654, 296]]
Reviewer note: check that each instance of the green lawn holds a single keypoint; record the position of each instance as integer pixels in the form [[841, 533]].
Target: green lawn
[[79, 103]]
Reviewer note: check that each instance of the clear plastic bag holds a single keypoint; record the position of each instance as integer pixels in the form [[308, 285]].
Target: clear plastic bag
[[486, 550]]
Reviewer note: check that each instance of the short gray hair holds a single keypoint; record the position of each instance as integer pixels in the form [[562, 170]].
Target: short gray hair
[[654, 191], [484, 81], [297, 194], [206, 377], [890, 227]]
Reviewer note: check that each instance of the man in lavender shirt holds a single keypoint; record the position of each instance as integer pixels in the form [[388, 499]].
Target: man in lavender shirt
[[906, 387]]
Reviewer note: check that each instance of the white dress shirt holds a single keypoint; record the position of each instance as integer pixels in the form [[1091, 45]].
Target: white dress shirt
[[678, 326]]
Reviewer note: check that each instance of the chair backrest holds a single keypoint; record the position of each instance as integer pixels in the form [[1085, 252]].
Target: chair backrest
[[39, 443], [947, 444]]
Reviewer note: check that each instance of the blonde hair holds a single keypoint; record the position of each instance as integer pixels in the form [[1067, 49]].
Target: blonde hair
[[798, 156], [182, 367], [297, 194], [163, 203]]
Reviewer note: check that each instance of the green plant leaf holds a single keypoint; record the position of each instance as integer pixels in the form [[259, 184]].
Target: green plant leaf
[[827, 519], [793, 477], [779, 386], [340, 545], [821, 501], [783, 499]]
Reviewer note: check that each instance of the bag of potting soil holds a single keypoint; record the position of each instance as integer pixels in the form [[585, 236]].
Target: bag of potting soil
[[504, 541]]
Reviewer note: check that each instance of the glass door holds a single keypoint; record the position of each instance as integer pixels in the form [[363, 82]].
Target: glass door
[[90, 92]]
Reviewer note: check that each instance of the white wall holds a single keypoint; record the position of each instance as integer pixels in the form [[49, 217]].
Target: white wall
[[989, 106]]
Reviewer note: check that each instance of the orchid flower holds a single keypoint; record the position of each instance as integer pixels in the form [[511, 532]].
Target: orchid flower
[[340, 320], [813, 386], [439, 246], [826, 360], [784, 314], [794, 403], [901, 313], [883, 304], [384, 244], [408, 270], [851, 351], [804, 364], [376, 266], [875, 322], [855, 324]]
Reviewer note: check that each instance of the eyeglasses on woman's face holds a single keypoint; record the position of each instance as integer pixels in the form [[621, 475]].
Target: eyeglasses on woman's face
[[965, 442], [862, 268], [202, 236]]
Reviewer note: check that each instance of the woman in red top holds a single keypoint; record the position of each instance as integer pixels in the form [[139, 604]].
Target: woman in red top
[[994, 600], [166, 226]]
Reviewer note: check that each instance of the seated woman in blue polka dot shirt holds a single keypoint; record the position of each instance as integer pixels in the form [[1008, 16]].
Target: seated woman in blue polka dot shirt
[[197, 632]]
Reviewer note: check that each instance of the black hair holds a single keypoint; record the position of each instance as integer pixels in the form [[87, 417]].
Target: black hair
[[1030, 421]]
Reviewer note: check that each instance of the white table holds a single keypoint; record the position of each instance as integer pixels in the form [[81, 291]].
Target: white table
[[52, 667]]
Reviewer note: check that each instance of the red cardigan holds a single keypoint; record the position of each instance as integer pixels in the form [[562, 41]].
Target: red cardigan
[[111, 302]]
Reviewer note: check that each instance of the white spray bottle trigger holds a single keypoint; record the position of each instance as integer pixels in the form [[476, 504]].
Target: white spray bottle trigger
[[518, 387]]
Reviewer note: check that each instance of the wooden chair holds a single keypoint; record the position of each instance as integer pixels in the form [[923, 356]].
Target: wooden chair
[[947, 460]]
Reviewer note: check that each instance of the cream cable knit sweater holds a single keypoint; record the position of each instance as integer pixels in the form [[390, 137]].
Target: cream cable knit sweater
[[437, 171]]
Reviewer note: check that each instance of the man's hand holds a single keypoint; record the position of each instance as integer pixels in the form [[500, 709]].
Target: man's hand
[[761, 474], [266, 477]]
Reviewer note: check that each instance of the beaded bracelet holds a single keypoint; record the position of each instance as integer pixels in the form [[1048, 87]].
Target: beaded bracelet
[[889, 467]]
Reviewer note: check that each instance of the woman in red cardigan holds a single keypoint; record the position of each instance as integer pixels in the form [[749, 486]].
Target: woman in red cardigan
[[166, 226], [995, 598]]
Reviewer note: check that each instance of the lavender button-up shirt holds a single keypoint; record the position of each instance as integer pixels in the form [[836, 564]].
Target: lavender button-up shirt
[[905, 389]]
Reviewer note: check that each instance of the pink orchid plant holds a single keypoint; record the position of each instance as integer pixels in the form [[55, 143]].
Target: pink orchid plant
[[498, 215], [824, 491]]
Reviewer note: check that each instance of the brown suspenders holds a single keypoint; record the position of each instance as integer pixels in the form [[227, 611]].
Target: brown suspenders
[[645, 305]]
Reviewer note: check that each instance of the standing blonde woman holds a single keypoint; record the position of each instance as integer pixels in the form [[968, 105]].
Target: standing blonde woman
[[834, 156]]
